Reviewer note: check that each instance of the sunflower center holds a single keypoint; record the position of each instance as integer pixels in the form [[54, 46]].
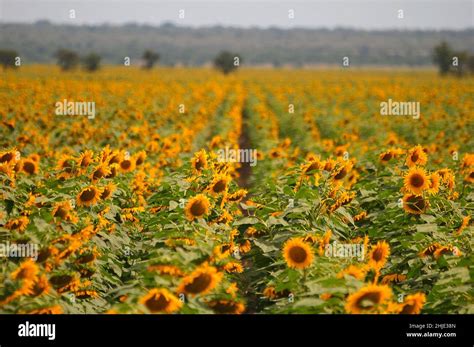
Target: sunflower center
[[341, 174], [387, 156], [219, 186], [61, 212], [198, 208], [408, 309], [414, 157], [29, 167], [417, 180], [199, 284], [198, 164], [298, 254], [368, 300], [88, 194], [378, 254], [224, 307], [126, 164], [7, 157], [157, 303]]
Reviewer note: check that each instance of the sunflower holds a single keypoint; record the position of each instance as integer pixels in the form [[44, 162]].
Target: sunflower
[[197, 207], [8, 157], [27, 271], [18, 224], [199, 161], [297, 253], [29, 166], [161, 300], [379, 254], [201, 281], [62, 210], [340, 173], [237, 196], [416, 181], [67, 165], [127, 164], [312, 166], [414, 204], [368, 299], [470, 176], [434, 183], [85, 159], [464, 225], [101, 170], [41, 286], [88, 196], [233, 267], [56, 309], [226, 307], [219, 184], [413, 304], [393, 278], [140, 158], [353, 271], [107, 191], [416, 156]]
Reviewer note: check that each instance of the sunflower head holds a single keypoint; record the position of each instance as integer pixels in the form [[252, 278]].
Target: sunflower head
[[197, 207], [226, 307], [29, 166], [297, 253], [88, 196], [219, 184], [379, 254], [199, 161], [369, 299], [160, 300], [201, 281], [413, 304], [416, 156], [414, 204], [417, 181]]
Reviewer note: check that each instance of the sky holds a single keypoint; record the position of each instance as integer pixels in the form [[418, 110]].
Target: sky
[[360, 14]]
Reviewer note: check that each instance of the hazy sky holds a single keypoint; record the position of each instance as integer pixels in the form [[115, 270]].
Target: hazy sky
[[375, 14]]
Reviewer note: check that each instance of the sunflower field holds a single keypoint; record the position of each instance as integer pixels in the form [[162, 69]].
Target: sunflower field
[[134, 211]]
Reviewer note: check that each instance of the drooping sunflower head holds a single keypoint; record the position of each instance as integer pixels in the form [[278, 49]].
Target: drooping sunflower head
[[369, 299], [226, 307], [197, 207], [28, 270], [67, 165], [199, 161], [379, 254], [219, 184], [9, 157], [434, 183], [416, 156], [88, 196], [414, 204], [85, 159], [160, 300], [140, 158], [102, 170], [18, 224], [201, 281], [107, 191], [413, 304], [297, 253], [62, 210], [416, 181]]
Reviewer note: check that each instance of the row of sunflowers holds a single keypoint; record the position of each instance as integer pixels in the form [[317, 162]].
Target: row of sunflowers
[[136, 211]]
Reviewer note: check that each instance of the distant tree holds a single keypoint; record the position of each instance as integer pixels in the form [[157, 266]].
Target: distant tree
[[7, 58], [67, 59], [227, 61], [150, 58], [91, 62], [443, 57]]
